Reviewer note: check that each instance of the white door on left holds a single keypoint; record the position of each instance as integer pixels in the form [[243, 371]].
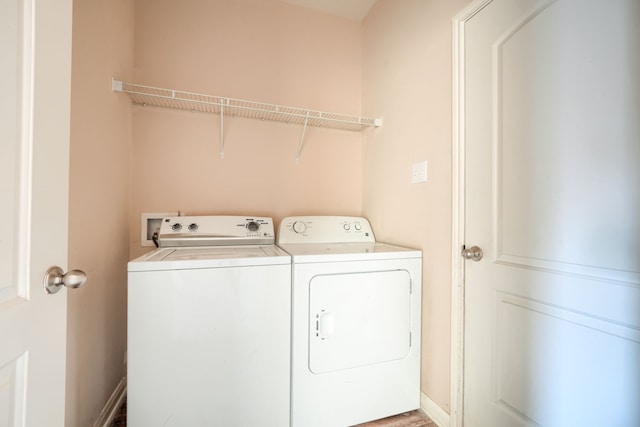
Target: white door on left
[[35, 77]]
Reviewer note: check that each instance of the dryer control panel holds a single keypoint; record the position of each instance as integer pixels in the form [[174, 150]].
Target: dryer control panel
[[325, 229], [215, 230]]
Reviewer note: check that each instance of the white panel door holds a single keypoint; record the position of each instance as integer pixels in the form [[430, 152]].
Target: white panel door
[[551, 107], [35, 70]]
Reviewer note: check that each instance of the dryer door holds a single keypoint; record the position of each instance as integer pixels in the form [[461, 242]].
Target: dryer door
[[358, 319]]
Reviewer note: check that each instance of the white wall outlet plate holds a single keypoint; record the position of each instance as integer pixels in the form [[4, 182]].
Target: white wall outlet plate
[[419, 172], [150, 224]]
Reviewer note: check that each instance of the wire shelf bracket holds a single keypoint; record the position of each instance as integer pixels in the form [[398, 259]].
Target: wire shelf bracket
[[304, 130], [150, 96], [222, 129]]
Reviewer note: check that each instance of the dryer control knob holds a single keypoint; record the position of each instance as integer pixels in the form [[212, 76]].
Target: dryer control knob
[[299, 227], [176, 227]]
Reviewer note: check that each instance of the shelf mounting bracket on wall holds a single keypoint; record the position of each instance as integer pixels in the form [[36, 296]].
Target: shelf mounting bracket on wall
[[222, 103], [304, 130]]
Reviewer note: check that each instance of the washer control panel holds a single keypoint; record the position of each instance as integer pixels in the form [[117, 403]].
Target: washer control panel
[[325, 229], [215, 230]]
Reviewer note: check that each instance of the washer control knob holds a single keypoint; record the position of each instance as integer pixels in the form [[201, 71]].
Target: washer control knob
[[299, 227], [193, 226], [346, 226], [176, 227], [253, 226], [357, 226]]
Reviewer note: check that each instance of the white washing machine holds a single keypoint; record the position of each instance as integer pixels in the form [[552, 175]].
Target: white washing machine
[[209, 326], [355, 322]]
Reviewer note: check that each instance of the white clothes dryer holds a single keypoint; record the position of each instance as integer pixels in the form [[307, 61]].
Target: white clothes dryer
[[355, 322], [209, 326]]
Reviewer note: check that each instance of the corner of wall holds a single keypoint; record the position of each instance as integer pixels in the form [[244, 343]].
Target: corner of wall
[[99, 187]]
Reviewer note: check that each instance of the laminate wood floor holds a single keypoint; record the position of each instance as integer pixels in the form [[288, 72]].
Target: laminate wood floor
[[408, 419]]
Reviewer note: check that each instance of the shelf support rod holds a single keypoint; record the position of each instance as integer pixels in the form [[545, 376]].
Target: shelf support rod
[[304, 130], [222, 102]]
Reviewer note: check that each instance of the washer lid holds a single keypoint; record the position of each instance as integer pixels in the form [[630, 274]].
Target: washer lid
[[332, 252], [209, 257]]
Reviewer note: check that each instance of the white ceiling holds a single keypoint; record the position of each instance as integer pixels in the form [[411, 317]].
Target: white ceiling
[[352, 9]]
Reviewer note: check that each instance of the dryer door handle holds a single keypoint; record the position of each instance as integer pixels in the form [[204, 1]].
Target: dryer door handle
[[325, 324]]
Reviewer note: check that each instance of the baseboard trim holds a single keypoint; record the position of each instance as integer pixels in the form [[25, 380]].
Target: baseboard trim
[[433, 411], [112, 407]]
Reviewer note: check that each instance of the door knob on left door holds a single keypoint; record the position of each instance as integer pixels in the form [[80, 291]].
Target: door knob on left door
[[473, 253], [55, 278]]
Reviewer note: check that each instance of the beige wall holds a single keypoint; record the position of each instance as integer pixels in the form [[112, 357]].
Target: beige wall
[[128, 160], [98, 205], [407, 80], [260, 50]]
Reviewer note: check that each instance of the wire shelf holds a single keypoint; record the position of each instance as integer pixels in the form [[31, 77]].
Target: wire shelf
[[179, 100]]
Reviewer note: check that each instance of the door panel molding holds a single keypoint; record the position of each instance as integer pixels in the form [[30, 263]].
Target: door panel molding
[[566, 260], [611, 276], [18, 34], [548, 366], [568, 314], [13, 386]]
